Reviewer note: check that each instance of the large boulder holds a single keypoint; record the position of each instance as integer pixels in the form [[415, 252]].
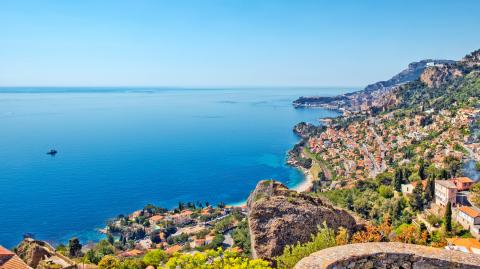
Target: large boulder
[[279, 217], [41, 255]]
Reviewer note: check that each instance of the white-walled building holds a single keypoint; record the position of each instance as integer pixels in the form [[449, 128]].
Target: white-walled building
[[445, 191]]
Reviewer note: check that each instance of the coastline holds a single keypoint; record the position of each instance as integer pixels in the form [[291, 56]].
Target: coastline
[[307, 182], [303, 186]]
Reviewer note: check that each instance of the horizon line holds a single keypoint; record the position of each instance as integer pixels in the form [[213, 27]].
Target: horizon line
[[179, 87]]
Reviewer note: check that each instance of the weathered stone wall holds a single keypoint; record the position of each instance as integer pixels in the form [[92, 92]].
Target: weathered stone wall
[[388, 255]]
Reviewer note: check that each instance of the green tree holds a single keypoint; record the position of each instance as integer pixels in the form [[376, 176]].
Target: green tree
[[155, 257], [448, 217], [416, 200], [74, 247], [429, 190], [421, 171], [397, 180], [475, 194], [241, 236], [214, 259], [385, 191], [131, 264], [110, 238], [292, 254], [109, 262]]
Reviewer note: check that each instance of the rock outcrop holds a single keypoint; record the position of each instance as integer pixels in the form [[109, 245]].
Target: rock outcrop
[[41, 255], [374, 95], [279, 217], [436, 76], [413, 72]]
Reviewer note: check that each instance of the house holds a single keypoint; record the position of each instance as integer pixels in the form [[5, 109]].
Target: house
[[9, 260], [408, 188], [468, 245], [445, 191], [469, 218], [132, 253], [155, 219], [182, 218], [209, 238], [173, 249], [463, 183], [199, 242]]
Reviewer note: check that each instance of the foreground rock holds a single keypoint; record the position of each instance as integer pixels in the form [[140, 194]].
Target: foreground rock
[[279, 217], [388, 255], [41, 255]]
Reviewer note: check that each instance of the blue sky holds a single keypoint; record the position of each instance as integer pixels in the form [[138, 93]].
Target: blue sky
[[227, 43]]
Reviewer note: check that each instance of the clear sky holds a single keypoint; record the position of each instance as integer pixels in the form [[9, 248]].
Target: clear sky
[[227, 42]]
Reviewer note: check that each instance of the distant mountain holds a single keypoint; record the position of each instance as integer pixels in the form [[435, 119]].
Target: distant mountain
[[412, 73], [373, 94]]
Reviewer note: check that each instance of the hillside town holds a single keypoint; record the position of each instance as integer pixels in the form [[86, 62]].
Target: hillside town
[[405, 173]]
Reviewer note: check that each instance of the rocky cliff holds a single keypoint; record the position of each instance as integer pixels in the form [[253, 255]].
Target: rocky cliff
[[377, 94], [436, 76], [413, 72], [279, 217], [41, 255]]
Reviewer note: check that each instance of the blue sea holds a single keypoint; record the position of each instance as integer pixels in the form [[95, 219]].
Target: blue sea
[[122, 148]]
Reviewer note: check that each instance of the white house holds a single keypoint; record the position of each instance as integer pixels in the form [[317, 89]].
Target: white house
[[445, 191], [469, 218]]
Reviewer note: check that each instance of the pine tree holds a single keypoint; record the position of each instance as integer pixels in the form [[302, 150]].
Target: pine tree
[[421, 171], [448, 217], [74, 247], [416, 200], [397, 181], [430, 190]]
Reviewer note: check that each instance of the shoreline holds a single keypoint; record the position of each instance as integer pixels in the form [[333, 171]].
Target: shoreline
[[303, 186]]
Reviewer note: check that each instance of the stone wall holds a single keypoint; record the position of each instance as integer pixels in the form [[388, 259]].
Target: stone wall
[[388, 255]]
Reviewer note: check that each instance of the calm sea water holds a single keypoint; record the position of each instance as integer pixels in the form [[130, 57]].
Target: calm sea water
[[122, 148]]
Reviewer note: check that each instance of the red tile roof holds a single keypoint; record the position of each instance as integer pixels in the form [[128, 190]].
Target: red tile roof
[[463, 180], [5, 252], [470, 211], [8, 260]]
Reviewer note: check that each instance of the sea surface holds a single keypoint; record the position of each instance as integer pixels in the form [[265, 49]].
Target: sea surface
[[122, 148]]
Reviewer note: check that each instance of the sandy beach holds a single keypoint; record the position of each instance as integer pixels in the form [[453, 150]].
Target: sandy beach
[[307, 183]]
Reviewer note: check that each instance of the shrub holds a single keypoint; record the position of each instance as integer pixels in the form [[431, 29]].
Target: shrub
[[292, 254]]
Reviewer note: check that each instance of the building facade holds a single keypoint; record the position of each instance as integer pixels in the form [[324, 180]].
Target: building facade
[[445, 191]]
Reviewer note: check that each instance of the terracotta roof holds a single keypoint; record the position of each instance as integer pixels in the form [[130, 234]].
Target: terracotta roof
[[470, 211], [8, 260], [463, 180], [468, 243], [173, 249], [156, 218], [132, 253], [5, 252], [424, 183], [14, 263]]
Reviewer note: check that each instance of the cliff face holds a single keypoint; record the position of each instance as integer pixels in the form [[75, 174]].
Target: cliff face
[[412, 73], [40, 255], [378, 94], [435, 76], [279, 217]]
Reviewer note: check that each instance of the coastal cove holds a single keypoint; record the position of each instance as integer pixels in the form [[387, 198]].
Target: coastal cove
[[122, 148]]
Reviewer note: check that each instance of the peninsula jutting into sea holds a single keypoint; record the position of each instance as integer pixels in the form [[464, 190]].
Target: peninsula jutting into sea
[[399, 165], [239, 134]]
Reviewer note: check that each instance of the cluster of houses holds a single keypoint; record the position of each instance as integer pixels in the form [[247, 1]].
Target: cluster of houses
[[187, 222], [363, 148], [455, 191]]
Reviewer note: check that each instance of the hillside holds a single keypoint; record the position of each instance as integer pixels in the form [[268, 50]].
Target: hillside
[[373, 93]]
